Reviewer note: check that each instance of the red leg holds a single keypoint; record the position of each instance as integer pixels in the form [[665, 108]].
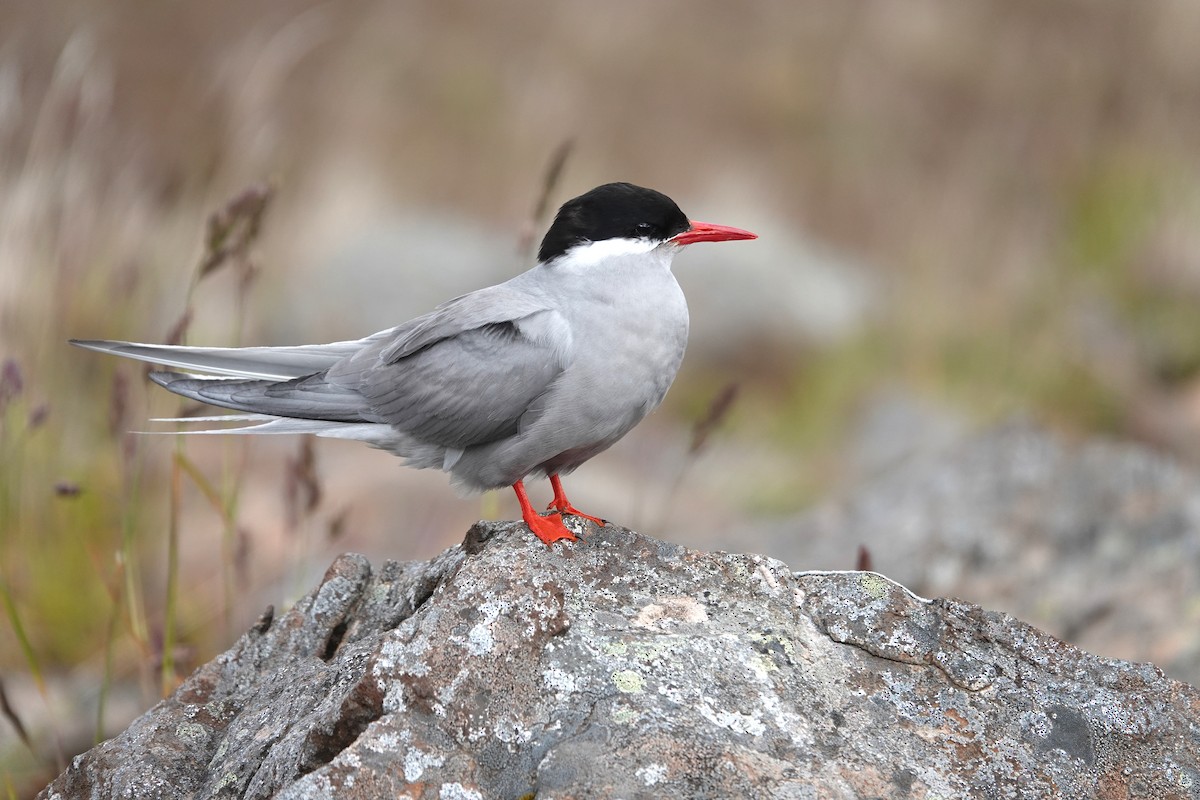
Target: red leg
[[562, 505], [549, 528]]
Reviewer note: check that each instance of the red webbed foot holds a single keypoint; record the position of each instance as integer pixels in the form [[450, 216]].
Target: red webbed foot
[[550, 528], [562, 505]]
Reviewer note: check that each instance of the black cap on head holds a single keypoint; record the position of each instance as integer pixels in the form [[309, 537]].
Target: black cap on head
[[613, 211]]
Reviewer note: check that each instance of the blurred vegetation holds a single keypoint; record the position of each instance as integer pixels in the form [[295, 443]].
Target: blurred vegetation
[[1025, 174]]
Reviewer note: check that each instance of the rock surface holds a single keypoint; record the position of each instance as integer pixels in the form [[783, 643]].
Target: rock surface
[[622, 666], [1097, 542]]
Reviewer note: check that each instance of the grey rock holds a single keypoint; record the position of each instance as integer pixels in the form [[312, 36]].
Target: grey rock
[[622, 666], [1095, 541]]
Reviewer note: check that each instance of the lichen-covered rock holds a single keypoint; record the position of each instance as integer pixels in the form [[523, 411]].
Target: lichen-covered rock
[[622, 666], [1095, 541]]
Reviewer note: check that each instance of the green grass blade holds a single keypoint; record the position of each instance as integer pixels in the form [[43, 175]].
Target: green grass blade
[[14, 619]]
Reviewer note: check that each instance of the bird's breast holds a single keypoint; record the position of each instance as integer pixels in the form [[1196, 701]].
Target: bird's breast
[[629, 340]]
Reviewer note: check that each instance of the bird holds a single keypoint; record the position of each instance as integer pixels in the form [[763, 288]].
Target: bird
[[528, 378]]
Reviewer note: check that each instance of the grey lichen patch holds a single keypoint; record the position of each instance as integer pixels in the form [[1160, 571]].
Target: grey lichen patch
[[965, 670], [559, 680], [762, 664], [733, 720], [218, 708], [616, 648], [773, 642], [652, 774], [874, 585], [416, 762], [629, 682], [625, 716], [191, 731], [646, 651], [457, 791], [229, 779], [479, 640]]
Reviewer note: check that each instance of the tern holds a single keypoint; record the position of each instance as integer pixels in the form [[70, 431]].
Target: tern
[[531, 377]]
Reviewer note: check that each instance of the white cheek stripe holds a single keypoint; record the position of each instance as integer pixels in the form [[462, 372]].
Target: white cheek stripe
[[588, 254]]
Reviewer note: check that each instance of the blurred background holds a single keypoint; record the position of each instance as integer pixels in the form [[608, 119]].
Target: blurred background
[[979, 255]]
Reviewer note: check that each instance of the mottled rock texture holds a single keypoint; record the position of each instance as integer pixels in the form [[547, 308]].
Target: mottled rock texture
[[1095, 541], [622, 666]]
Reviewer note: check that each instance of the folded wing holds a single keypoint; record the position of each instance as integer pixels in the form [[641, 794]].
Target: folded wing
[[465, 374], [460, 376]]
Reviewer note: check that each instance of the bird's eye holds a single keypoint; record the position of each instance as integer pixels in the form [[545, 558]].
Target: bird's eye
[[644, 228]]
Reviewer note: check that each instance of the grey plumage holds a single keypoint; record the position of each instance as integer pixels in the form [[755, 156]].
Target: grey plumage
[[483, 385], [532, 376], [274, 363]]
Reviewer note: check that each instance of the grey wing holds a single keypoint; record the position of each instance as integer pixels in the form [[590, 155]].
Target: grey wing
[[495, 305], [310, 397], [263, 363], [465, 374]]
